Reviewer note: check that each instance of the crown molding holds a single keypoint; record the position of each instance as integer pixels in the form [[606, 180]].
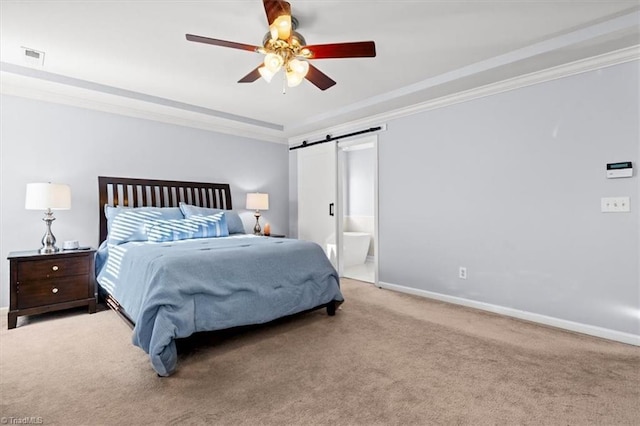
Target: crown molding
[[561, 71], [28, 86], [605, 28]]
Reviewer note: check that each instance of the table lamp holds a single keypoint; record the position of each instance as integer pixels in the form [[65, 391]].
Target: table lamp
[[48, 197], [257, 201]]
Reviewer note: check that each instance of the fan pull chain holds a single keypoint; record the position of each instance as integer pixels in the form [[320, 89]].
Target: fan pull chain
[[284, 83]]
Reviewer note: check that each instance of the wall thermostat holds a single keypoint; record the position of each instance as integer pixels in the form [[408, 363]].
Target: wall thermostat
[[619, 170]]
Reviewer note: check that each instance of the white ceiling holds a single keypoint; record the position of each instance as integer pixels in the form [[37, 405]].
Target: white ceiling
[[134, 53]]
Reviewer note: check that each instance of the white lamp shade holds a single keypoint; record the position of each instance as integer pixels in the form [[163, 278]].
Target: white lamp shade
[[273, 62], [299, 67], [257, 201], [294, 79], [43, 196], [281, 27], [266, 74], [296, 71]]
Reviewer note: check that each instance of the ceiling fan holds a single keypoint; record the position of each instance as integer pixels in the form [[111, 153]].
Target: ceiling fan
[[283, 47]]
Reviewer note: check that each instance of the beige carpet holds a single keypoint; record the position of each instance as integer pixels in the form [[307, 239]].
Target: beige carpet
[[385, 358]]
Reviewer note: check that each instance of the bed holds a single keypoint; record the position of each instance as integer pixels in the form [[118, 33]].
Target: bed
[[174, 260]]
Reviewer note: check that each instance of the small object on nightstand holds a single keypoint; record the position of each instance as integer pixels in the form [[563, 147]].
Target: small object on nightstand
[[267, 229], [50, 282], [70, 245]]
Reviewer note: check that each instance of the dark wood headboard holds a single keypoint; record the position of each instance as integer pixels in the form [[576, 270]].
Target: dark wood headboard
[[129, 192]]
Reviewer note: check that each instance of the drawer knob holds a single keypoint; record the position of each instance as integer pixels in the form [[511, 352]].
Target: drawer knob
[[55, 267], [54, 290]]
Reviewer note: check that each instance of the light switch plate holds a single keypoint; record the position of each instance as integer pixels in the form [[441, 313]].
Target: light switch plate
[[615, 205]]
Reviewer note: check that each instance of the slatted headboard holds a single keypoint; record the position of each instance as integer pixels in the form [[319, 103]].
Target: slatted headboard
[[128, 192]]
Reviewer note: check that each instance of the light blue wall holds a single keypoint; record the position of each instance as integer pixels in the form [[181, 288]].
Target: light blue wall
[[509, 186], [42, 141]]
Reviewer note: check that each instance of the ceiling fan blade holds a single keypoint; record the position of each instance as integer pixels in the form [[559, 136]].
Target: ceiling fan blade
[[358, 49], [318, 78], [223, 43], [252, 76]]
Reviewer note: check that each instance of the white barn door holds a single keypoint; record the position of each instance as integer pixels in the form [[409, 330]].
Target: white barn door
[[317, 210]]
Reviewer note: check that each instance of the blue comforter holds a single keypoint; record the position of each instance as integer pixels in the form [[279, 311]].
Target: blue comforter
[[172, 290]]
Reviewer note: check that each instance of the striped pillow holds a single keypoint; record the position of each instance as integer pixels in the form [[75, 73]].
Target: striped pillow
[[182, 229], [233, 219], [126, 224]]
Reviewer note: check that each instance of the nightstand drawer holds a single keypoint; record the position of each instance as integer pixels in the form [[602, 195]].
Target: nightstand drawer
[[53, 268], [49, 292]]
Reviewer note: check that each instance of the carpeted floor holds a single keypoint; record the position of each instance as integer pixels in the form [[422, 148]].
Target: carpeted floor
[[385, 358]]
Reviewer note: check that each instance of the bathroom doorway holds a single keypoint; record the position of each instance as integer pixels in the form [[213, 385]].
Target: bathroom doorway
[[358, 212]]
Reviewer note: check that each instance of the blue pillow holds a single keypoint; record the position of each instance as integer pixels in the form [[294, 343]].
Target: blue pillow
[[233, 219], [181, 229], [128, 223]]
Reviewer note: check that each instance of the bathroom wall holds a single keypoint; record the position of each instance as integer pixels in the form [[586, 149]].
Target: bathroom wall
[[359, 192]]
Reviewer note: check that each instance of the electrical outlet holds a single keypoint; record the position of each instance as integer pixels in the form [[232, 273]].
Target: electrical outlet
[[462, 273]]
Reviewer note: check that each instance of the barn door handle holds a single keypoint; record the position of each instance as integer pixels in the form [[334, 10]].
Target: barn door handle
[[331, 209]]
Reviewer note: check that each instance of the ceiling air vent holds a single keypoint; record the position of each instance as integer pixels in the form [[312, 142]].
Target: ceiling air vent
[[32, 57]]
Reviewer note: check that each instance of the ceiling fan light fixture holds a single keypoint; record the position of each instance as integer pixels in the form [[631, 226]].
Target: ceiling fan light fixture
[[299, 67], [281, 27], [293, 79], [273, 62], [266, 74], [296, 71]]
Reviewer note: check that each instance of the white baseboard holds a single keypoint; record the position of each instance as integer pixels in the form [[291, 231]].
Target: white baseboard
[[591, 330]]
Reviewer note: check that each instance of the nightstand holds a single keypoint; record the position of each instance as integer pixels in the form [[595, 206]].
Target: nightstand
[[50, 282]]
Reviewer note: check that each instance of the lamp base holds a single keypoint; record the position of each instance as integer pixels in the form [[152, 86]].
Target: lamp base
[[48, 240], [257, 230], [48, 250]]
